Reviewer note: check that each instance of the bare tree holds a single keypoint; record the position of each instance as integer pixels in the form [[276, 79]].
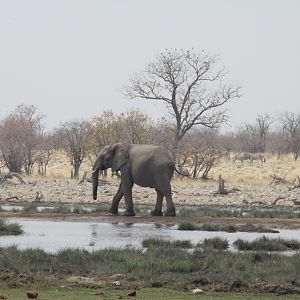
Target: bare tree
[[76, 136], [44, 153], [197, 152], [20, 134], [263, 124], [291, 128], [190, 84]]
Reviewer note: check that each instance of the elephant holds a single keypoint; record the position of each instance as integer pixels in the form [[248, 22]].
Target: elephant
[[141, 164]]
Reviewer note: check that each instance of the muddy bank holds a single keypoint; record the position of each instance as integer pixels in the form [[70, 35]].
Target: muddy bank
[[107, 217]]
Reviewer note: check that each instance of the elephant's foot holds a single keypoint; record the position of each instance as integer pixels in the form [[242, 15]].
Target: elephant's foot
[[113, 211], [129, 213], [170, 212], [156, 212]]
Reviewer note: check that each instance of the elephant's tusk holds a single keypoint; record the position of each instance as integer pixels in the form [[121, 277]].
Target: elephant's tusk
[[94, 171]]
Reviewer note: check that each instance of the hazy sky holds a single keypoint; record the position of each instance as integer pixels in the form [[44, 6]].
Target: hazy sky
[[72, 58]]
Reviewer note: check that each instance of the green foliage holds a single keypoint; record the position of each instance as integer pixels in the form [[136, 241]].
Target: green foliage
[[222, 269], [208, 211], [10, 228], [266, 244], [61, 209], [253, 213], [187, 226], [225, 227], [273, 213], [166, 243], [214, 243], [100, 208], [30, 208]]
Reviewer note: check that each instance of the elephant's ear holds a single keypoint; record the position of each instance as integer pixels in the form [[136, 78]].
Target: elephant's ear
[[120, 157]]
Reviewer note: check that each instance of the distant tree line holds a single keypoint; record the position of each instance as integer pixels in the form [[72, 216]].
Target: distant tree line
[[25, 145]]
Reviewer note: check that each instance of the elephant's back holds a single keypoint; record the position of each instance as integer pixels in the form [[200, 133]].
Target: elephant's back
[[150, 162]]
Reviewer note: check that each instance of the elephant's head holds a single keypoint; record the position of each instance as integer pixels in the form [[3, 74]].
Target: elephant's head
[[111, 156]]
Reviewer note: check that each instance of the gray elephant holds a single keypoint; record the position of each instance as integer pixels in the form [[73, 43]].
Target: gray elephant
[[144, 165]]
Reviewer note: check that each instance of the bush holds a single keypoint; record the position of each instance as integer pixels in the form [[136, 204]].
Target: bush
[[187, 226], [214, 243], [10, 228], [150, 243], [266, 244], [30, 208]]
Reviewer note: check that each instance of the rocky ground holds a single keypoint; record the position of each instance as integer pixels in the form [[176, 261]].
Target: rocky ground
[[186, 192]]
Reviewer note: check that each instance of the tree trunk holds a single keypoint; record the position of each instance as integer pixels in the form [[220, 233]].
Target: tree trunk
[[76, 171]]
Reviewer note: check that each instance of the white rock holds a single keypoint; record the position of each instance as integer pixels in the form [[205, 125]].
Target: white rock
[[116, 283], [197, 291]]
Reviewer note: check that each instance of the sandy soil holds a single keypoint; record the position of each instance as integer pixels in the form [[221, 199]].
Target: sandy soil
[[186, 192]]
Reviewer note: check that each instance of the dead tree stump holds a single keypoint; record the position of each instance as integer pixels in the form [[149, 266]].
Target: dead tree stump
[[221, 187], [83, 178]]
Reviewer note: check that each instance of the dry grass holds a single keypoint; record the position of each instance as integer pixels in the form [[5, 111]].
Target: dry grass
[[257, 173], [232, 172]]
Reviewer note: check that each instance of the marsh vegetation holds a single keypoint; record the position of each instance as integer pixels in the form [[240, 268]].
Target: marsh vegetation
[[8, 228], [168, 267]]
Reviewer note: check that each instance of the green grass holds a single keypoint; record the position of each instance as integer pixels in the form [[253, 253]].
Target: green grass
[[207, 211], [173, 268], [272, 213], [225, 227], [166, 243], [214, 243], [30, 208], [266, 244], [242, 213], [7, 228], [187, 226], [142, 294]]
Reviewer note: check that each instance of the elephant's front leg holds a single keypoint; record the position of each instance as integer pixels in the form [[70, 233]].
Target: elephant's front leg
[[116, 200], [128, 200], [127, 185], [158, 206]]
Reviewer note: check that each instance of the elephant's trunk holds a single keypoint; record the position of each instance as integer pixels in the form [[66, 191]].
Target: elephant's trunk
[[95, 176]]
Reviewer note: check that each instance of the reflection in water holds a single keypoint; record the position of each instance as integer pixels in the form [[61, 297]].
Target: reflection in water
[[55, 235]]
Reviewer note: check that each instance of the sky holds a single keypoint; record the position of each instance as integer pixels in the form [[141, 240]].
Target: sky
[[72, 58]]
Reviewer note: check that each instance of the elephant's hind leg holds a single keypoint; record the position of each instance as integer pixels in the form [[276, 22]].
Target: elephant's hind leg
[[158, 206], [164, 187], [170, 212], [116, 200]]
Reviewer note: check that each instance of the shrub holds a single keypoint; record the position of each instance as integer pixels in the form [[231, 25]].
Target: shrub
[[148, 243], [30, 208], [10, 228], [214, 243], [266, 244], [187, 226]]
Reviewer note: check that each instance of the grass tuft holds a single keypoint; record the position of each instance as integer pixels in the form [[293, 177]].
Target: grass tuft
[[214, 243], [157, 243], [266, 244], [10, 228]]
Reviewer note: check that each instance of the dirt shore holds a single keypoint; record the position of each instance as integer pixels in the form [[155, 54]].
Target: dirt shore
[[107, 217]]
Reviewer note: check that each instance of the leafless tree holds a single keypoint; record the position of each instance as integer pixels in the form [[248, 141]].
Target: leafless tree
[[76, 136], [191, 86], [263, 126], [44, 153], [20, 133], [197, 153], [291, 129], [253, 137]]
